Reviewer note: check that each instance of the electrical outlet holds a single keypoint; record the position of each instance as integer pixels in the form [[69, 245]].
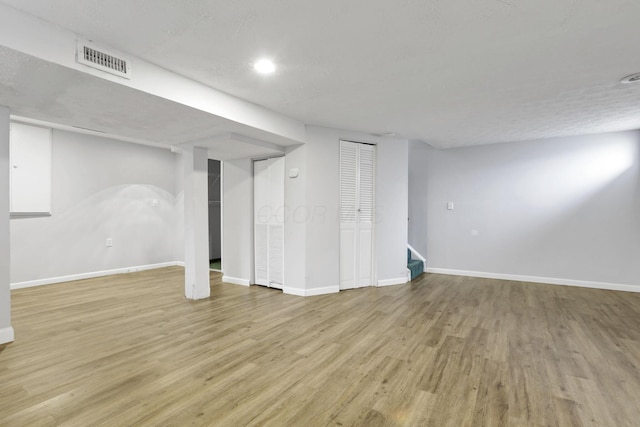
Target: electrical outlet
[[109, 242], [155, 203]]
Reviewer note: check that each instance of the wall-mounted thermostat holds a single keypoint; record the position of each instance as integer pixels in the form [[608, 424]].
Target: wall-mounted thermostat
[[293, 173]]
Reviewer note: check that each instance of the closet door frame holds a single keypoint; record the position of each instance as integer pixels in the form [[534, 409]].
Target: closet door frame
[[374, 259]]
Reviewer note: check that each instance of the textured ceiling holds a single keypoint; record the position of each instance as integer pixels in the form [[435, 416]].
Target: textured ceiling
[[449, 72]]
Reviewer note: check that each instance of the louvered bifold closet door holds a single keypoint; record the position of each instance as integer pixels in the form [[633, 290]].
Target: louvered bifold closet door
[[261, 188], [269, 222], [365, 214], [357, 190], [348, 203]]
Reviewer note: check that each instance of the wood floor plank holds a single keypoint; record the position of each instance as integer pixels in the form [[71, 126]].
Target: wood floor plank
[[130, 350]]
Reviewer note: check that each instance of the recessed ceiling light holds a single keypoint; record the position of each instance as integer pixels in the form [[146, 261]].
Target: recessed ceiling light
[[633, 78], [264, 66]]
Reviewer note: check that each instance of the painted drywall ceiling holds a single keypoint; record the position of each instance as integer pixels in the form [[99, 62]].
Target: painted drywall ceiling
[[40, 90], [452, 73]]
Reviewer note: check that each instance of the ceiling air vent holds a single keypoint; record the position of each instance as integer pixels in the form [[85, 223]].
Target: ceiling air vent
[[102, 60]]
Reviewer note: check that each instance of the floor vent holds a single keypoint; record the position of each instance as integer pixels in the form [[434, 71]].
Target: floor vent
[[102, 60]]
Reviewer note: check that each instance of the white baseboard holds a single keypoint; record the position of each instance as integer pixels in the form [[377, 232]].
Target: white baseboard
[[535, 279], [89, 275], [180, 263], [6, 335], [294, 291], [311, 292], [391, 282], [236, 281]]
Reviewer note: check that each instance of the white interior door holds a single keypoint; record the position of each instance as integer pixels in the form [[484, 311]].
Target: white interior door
[[30, 169], [268, 194], [357, 190]]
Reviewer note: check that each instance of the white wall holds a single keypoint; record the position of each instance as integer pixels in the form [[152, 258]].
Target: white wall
[[237, 227], [6, 333], [419, 153], [101, 189], [392, 180], [322, 199], [296, 214], [237, 261], [563, 208], [312, 233], [322, 202]]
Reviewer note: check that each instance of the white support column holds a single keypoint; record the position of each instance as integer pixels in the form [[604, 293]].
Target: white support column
[[196, 223], [6, 331]]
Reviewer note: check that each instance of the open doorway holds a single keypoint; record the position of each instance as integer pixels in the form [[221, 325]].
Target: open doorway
[[215, 215]]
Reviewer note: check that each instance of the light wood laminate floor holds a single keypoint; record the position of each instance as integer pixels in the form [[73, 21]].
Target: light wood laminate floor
[[129, 350]]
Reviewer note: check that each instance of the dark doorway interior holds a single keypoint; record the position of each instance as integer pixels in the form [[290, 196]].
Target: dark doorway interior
[[215, 211]]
